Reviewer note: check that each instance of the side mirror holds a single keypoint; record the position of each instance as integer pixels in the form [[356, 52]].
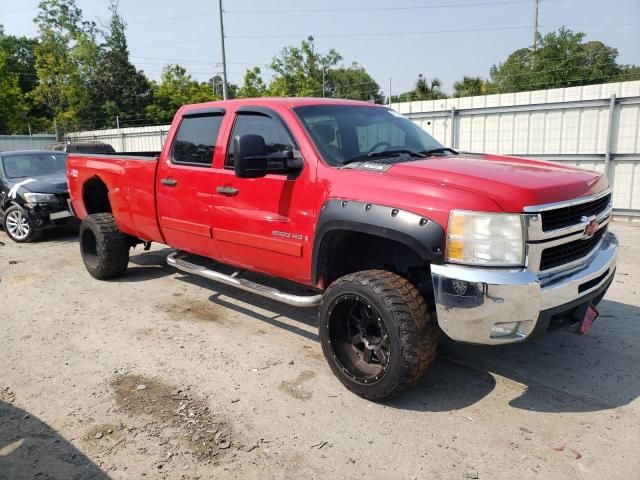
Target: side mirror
[[249, 156], [251, 160]]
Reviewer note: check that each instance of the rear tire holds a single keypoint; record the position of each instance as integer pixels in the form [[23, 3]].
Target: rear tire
[[104, 248], [376, 333]]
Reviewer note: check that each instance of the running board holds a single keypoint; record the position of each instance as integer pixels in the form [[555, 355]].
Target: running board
[[176, 260]]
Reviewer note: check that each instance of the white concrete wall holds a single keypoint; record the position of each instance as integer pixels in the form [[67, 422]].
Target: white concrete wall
[[25, 142], [134, 139]]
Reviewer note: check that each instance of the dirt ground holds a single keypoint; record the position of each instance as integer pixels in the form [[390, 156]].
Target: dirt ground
[[164, 375]]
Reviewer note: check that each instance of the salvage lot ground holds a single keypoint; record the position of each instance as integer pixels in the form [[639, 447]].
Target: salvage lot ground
[[162, 375]]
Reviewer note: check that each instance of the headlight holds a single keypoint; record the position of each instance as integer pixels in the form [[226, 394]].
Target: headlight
[[39, 198], [491, 239]]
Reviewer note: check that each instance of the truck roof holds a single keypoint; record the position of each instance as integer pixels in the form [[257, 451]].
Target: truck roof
[[287, 102]]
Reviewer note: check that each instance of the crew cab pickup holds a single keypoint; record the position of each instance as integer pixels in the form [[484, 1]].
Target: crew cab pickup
[[367, 217]]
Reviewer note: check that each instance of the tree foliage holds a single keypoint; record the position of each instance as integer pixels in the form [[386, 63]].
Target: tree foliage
[[119, 89], [298, 71], [469, 87], [66, 61], [302, 71], [424, 89], [561, 59], [77, 76], [253, 84], [176, 88], [11, 104]]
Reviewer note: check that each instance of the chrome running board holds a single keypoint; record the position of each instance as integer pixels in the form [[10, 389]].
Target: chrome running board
[[176, 260]]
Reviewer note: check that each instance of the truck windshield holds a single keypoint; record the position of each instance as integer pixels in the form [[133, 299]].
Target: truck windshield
[[347, 133], [35, 165]]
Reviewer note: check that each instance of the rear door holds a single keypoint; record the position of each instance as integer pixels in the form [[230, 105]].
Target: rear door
[[185, 182], [264, 223]]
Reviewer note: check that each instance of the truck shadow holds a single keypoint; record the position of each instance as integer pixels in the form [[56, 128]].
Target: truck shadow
[[558, 373], [29, 448], [146, 266], [266, 311], [561, 372]]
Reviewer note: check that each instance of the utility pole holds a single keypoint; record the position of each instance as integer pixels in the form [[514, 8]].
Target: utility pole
[[323, 68], [389, 92], [225, 93], [536, 8]]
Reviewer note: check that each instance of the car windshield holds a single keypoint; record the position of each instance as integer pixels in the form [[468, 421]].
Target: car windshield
[[347, 133], [34, 165]]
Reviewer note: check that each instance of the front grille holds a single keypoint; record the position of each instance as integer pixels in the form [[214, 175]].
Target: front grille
[[569, 252], [567, 216]]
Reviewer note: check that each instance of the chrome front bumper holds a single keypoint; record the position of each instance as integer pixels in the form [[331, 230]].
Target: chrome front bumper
[[495, 306]]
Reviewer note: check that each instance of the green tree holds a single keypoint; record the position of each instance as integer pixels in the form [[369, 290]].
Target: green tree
[[561, 59], [21, 58], [12, 109], [469, 87], [423, 90], [176, 88], [119, 88], [66, 62], [352, 82], [253, 84], [298, 71]]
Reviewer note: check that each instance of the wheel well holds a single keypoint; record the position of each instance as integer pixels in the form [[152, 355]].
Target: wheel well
[[95, 196], [343, 251]]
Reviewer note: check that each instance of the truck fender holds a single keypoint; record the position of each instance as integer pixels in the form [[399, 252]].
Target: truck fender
[[421, 234]]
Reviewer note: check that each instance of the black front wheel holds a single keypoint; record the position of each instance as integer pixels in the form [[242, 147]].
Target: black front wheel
[[376, 333]]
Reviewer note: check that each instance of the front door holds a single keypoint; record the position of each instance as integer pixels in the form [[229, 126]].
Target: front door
[[186, 182], [264, 223]]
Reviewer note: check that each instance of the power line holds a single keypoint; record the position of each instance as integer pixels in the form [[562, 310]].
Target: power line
[[428, 32], [20, 10], [382, 9]]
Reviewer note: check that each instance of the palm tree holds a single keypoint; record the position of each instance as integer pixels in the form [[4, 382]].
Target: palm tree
[[469, 87], [426, 90]]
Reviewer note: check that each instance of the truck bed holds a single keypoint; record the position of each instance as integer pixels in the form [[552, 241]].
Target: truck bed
[[130, 185]]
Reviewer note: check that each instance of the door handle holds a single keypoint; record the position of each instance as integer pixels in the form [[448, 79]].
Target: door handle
[[226, 190], [169, 182]]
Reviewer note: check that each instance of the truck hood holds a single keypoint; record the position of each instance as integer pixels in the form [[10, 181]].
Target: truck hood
[[55, 184], [511, 182]]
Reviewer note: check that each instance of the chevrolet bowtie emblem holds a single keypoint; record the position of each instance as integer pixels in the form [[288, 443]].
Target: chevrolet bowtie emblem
[[591, 228]]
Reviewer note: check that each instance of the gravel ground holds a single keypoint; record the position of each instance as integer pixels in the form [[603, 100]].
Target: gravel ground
[[163, 375]]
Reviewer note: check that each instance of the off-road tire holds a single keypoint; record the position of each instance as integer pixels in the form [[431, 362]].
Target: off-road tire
[[104, 248], [33, 234], [412, 334]]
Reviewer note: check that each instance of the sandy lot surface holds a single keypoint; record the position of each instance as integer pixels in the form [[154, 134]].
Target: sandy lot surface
[[163, 375]]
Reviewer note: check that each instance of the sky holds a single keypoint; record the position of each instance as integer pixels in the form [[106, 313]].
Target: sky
[[392, 39]]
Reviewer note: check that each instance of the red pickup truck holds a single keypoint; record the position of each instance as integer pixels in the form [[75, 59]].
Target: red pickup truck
[[390, 234]]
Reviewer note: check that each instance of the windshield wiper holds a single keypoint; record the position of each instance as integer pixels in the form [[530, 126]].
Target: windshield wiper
[[439, 150], [384, 153]]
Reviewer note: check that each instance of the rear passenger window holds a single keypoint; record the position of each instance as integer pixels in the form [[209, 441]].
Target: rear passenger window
[[275, 136], [196, 140]]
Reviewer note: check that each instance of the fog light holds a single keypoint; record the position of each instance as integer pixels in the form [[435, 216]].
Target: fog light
[[506, 329]]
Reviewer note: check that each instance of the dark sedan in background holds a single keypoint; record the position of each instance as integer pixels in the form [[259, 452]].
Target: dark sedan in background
[[33, 193]]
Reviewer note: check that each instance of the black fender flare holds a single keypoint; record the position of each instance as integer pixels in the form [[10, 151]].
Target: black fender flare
[[421, 234]]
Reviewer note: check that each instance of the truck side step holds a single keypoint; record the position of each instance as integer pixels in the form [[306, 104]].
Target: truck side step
[[178, 261]]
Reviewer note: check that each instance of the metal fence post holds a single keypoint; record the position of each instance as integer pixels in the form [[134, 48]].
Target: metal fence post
[[609, 147], [452, 141]]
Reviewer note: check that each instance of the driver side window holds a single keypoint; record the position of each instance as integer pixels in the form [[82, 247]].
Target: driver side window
[[274, 134]]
